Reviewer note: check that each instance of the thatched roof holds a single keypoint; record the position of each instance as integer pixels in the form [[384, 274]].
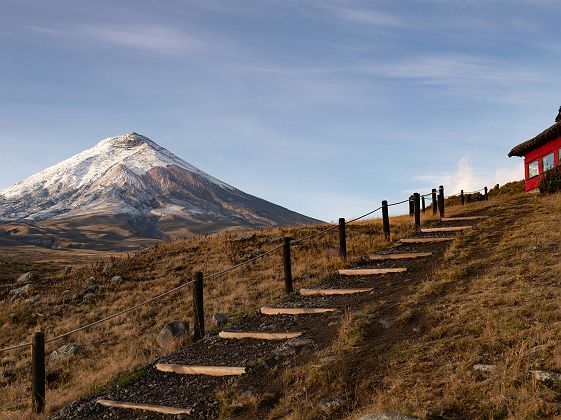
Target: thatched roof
[[547, 135]]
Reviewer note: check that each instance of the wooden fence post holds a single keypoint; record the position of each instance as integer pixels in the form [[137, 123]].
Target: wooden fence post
[[198, 307], [342, 239], [423, 204], [441, 200], [287, 266], [462, 196], [486, 194], [434, 205], [411, 206], [417, 204], [38, 372], [386, 219]]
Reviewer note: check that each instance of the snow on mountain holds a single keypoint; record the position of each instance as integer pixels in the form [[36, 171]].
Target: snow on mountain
[[132, 175], [137, 153]]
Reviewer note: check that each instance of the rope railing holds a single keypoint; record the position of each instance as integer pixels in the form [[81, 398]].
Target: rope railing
[[414, 202]]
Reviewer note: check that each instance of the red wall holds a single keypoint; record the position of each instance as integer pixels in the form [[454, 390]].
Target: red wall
[[552, 146]]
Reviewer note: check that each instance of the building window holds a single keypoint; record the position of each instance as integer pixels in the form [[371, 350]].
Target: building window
[[533, 169], [548, 162]]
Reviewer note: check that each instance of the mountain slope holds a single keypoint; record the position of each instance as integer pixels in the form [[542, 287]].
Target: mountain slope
[[132, 179]]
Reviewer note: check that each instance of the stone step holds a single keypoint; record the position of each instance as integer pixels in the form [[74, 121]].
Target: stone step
[[238, 335], [424, 240], [200, 370], [322, 292], [266, 310], [146, 407], [462, 219], [370, 271], [396, 256], [445, 229]]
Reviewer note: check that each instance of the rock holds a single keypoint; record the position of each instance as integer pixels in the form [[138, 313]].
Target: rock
[[386, 416], [65, 351], [91, 289], [284, 350], [247, 394], [172, 332], [25, 278], [115, 280], [294, 347], [328, 359], [20, 291], [330, 404], [67, 270], [66, 296], [32, 300], [107, 267], [220, 319], [91, 280], [386, 323], [543, 376], [485, 368], [89, 298], [301, 343]]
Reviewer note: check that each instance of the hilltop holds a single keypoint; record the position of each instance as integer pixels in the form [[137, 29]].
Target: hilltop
[[127, 192], [471, 332]]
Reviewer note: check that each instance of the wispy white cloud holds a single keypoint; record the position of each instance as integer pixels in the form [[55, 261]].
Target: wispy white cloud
[[155, 38]]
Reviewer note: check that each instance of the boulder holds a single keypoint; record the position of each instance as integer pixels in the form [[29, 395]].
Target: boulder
[[220, 319], [65, 351], [115, 280], [25, 278], [543, 376], [20, 291], [172, 332]]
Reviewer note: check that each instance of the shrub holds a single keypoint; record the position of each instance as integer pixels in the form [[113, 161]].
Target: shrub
[[550, 181]]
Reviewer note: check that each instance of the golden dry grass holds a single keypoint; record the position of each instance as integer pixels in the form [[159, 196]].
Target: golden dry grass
[[494, 301], [128, 341]]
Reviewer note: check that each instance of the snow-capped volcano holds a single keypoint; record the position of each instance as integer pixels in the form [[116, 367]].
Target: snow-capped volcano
[[133, 176]]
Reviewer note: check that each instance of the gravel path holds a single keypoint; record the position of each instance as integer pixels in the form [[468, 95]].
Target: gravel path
[[259, 356]]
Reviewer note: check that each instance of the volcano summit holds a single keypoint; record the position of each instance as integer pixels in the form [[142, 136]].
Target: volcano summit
[[125, 187]]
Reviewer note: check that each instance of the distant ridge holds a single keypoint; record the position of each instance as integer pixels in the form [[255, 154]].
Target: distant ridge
[[132, 182]]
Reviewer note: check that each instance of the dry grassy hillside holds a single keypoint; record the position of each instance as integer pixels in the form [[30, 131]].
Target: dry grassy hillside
[[63, 299], [477, 339]]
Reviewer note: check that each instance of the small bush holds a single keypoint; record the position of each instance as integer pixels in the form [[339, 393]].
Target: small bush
[[550, 181]]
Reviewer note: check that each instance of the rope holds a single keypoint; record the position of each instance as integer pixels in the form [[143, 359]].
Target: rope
[[132, 308], [227, 270], [401, 202]]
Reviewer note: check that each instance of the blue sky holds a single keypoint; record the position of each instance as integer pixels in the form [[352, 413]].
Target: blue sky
[[326, 107]]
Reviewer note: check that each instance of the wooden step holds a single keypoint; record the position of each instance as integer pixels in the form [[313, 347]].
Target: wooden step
[[445, 229], [238, 335], [462, 219], [146, 407], [424, 240], [320, 292], [370, 271], [399, 256], [200, 370], [266, 310]]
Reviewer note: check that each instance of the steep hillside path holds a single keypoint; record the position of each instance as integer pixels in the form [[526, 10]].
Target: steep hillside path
[[209, 396]]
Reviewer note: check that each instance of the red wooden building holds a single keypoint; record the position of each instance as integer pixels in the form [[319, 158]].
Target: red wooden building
[[540, 153]]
